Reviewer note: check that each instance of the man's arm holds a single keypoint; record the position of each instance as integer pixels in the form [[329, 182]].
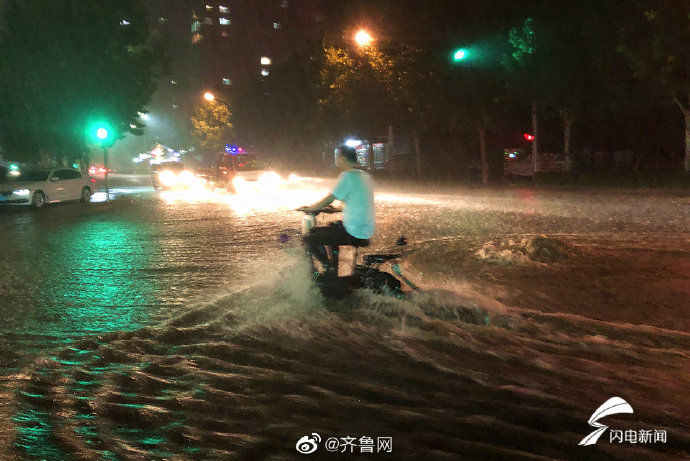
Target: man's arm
[[320, 205]]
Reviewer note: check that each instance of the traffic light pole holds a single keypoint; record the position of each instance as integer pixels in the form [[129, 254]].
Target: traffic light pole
[[107, 167]]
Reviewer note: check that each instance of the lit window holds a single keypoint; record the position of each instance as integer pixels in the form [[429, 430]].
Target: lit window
[[125, 22], [265, 61], [174, 106], [223, 21], [196, 26], [162, 20], [276, 25], [209, 7], [284, 4], [173, 82], [265, 72], [208, 21], [223, 9], [227, 82]]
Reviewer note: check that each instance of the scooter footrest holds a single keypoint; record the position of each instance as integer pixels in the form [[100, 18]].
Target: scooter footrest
[[379, 258]]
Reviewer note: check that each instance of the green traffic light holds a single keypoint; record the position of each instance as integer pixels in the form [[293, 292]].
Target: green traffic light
[[460, 54], [100, 133]]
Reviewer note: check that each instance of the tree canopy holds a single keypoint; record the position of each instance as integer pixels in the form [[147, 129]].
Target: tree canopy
[[67, 63]]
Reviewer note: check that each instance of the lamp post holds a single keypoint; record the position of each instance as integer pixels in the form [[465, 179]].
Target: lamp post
[[208, 96], [363, 39]]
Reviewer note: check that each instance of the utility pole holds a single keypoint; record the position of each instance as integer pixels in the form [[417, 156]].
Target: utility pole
[[536, 137]]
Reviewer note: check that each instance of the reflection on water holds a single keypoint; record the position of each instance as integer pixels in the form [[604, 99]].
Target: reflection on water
[[91, 297], [245, 376], [85, 279], [249, 372]]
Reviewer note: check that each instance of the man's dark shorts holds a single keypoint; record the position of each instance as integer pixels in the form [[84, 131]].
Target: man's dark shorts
[[333, 235]]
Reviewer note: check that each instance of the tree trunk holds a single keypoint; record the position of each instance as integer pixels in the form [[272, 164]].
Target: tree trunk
[[687, 139], [567, 126], [417, 154], [481, 130], [686, 112], [536, 137]]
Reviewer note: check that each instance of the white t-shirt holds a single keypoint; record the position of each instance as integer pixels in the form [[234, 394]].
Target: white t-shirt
[[356, 190]]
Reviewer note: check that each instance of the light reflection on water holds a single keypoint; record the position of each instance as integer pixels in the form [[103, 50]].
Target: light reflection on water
[[249, 199], [85, 271]]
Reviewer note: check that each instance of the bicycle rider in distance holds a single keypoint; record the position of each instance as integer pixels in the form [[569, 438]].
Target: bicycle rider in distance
[[354, 188]]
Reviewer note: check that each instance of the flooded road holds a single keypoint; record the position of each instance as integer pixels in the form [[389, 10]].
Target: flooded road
[[176, 324]]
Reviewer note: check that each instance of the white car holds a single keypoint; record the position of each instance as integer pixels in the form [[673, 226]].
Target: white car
[[39, 187]]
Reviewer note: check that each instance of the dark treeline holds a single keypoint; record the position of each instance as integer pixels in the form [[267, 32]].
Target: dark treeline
[[67, 63], [603, 75]]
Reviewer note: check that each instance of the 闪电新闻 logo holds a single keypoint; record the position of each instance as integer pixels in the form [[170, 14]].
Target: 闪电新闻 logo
[[612, 406]]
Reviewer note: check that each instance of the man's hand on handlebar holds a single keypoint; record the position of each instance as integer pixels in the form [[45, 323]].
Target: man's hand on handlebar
[[313, 210], [307, 210]]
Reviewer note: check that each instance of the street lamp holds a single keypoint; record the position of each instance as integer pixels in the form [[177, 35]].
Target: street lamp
[[209, 96], [363, 38]]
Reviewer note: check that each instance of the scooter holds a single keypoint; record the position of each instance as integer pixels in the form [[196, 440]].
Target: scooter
[[365, 275]]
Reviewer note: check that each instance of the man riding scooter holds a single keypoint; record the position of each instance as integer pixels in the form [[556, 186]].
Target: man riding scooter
[[354, 189]]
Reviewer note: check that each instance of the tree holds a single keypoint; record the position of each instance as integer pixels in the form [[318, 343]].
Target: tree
[[356, 95], [67, 63], [656, 40], [563, 58], [212, 124]]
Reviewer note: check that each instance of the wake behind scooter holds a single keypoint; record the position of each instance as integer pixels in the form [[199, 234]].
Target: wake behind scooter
[[365, 275]]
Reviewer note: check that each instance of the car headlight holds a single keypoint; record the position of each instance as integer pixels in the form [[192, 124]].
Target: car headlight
[[269, 179], [187, 178], [21, 192], [168, 178]]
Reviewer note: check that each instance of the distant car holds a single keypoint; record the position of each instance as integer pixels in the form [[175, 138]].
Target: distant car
[[40, 187], [237, 170], [99, 170], [172, 175]]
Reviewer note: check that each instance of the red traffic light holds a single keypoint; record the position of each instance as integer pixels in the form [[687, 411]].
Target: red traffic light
[[528, 137]]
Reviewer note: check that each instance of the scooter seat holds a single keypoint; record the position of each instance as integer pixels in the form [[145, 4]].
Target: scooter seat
[[379, 258], [360, 244]]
